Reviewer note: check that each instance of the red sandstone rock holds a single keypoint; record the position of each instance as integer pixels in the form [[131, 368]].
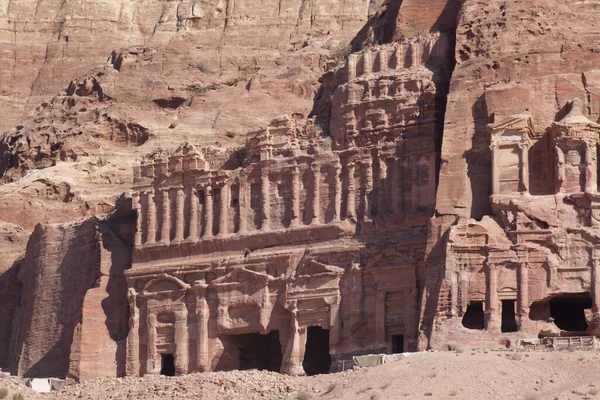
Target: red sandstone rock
[[420, 204]]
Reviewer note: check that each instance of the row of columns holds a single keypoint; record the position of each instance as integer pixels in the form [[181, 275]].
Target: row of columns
[[379, 61], [389, 168]]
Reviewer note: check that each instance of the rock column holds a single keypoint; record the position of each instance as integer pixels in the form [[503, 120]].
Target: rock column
[[244, 203], [350, 191], [493, 321], [181, 342], [179, 216], [202, 317], [591, 179], [151, 367], [368, 189], [151, 218], [208, 211], [316, 194], [193, 198], [266, 202], [165, 229], [337, 195], [296, 217], [138, 220], [224, 208], [133, 345], [594, 327]]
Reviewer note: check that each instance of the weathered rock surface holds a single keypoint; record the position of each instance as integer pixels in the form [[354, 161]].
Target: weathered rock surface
[[438, 188]]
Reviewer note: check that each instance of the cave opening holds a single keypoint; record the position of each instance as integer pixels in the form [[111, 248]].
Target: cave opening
[[167, 365], [317, 359], [509, 320], [568, 311], [261, 352], [474, 317]]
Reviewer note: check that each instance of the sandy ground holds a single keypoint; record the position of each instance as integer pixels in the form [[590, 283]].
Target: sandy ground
[[469, 374]]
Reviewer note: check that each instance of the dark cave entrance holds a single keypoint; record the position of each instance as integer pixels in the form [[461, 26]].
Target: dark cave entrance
[[397, 344], [261, 352], [474, 317], [317, 359], [567, 310], [509, 320], [167, 365]]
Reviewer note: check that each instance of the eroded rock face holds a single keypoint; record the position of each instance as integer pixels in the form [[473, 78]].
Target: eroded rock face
[[421, 204]]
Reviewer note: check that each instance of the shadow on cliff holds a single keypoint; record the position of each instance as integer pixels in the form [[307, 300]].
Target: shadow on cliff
[[117, 233], [479, 161], [77, 272], [10, 301]]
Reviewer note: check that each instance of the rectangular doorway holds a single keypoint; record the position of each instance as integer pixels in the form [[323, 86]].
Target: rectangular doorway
[[397, 344], [509, 320], [317, 359], [167, 363]]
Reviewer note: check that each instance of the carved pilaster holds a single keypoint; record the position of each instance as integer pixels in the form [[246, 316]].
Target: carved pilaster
[[368, 201], [316, 194], [179, 216], [193, 199], [243, 203], [350, 191], [137, 206], [208, 211], [224, 210], [296, 217], [165, 229], [266, 200], [202, 317], [337, 195], [181, 342], [151, 217], [591, 165], [133, 337], [493, 320]]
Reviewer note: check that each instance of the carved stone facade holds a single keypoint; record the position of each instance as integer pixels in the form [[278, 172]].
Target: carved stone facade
[[532, 270], [301, 232]]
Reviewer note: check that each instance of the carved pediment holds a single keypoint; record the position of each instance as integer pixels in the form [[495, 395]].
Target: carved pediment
[[165, 283], [516, 128], [313, 268], [240, 277]]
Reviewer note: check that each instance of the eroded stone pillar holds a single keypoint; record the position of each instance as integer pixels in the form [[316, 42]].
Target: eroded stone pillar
[[165, 229], [591, 165], [337, 195], [367, 63], [352, 66], [296, 218], [380, 317], [334, 322], [133, 338], [151, 218], [594, 327], [294, 351], [244, 202], [381, 193], [415, 191], [138, 220], [152, 367], [493, 320], [368, 212], [266, 200], [525, 167], [202, 318], [179, 216], [316, 194], [523, 293], [181, 342], [208, 211], [495, 172], [193, 198], [397, 186], [224, 210], [350, 191]]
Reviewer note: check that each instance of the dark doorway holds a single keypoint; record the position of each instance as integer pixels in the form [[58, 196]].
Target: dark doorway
[[168, 365], [317, 359], [474, 317], [397, 344], [509, 320], [568, 311], [261, 352]]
